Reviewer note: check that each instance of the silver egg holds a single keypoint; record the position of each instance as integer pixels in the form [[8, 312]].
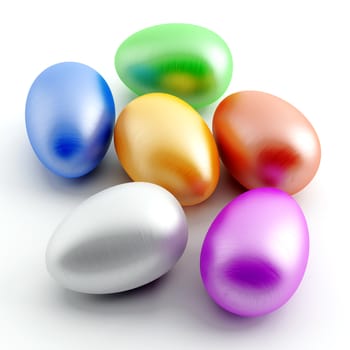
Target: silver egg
[[118, 239]]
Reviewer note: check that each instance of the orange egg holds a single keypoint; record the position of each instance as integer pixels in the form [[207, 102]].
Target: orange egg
[[265, 141], [161, 139]]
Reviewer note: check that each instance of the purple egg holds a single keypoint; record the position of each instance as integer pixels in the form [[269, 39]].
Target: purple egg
[[255, 253]]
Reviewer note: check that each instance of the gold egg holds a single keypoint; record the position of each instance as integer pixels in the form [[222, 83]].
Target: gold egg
[[265, 141], [161, 139]]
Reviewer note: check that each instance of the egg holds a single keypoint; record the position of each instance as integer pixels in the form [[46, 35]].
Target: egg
[[69, 118], [265, 141], [185, 60], [118, 239], [255, 253], [161, 139]]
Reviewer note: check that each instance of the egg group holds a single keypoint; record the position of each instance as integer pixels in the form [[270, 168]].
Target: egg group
[[70, 117], [255, 253]]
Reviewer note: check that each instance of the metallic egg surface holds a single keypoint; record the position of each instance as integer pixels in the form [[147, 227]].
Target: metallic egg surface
[[255, 253], [119, 239], [70, 117], [184, 60], [266, 142], [159, 138]]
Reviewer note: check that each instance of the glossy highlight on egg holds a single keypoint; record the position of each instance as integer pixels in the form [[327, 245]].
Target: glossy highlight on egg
[[255, 253], [161, 139], [184, 60], [69, 118], [265, 141], [118, 239]]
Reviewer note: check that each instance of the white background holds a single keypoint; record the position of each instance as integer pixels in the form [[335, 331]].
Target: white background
[[298, 50]]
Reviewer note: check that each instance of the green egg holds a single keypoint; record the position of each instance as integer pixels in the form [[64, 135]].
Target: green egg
[[184, 60]]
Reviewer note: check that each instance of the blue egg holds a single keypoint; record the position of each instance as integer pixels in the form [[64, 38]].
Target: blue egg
[[70, 117]]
